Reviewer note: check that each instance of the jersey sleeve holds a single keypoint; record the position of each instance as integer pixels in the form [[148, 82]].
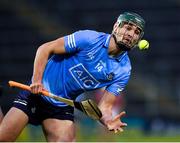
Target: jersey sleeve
[[119, 86], [75, 42]]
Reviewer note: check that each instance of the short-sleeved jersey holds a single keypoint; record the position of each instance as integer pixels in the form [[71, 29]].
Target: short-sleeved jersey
[[86, 66]]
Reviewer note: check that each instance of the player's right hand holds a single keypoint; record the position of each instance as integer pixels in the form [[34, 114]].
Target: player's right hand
[[36, 88]]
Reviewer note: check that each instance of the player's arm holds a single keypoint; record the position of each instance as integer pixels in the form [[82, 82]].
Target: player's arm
[[41, 58], [106, 106]]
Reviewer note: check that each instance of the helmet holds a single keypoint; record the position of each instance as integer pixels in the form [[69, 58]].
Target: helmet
[[131, 18]]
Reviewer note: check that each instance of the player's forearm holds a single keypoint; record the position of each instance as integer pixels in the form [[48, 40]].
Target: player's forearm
[[40, 62], [106, 105]]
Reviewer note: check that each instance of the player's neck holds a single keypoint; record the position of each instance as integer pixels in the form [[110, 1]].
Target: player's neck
[[113, 50]]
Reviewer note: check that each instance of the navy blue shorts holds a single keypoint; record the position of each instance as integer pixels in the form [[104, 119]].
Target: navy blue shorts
[[37, 109]]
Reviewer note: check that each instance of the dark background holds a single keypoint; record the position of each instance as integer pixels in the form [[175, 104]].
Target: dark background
[[152, 95]]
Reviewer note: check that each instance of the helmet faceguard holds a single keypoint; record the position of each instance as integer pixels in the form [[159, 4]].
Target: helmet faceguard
[[129, 19]]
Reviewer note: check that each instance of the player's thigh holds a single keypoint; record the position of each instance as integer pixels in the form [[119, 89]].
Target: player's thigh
[[59, 130], [12, 124]]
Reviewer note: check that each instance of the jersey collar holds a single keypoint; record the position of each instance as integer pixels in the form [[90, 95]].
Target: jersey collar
[[106, 44], [121, 56]]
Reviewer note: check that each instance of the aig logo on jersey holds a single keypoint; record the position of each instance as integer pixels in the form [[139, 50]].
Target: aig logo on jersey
[[83, 77]]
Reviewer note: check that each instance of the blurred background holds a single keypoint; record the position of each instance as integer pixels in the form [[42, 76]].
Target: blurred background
[[152, 97]]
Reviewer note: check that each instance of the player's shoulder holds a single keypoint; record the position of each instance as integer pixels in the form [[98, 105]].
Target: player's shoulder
[[90, 34], [85, 38]]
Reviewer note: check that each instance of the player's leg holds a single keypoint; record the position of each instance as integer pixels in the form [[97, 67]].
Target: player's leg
[[12, 124], [18, 116], [1, 115], [56, 130], [57, 122]]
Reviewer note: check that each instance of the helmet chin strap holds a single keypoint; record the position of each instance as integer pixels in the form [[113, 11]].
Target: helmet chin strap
[[120, 45]]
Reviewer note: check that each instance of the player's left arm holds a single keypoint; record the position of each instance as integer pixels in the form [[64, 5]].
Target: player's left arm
[[112, 123]]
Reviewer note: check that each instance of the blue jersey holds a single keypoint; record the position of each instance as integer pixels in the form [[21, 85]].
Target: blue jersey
[[86, 66]]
